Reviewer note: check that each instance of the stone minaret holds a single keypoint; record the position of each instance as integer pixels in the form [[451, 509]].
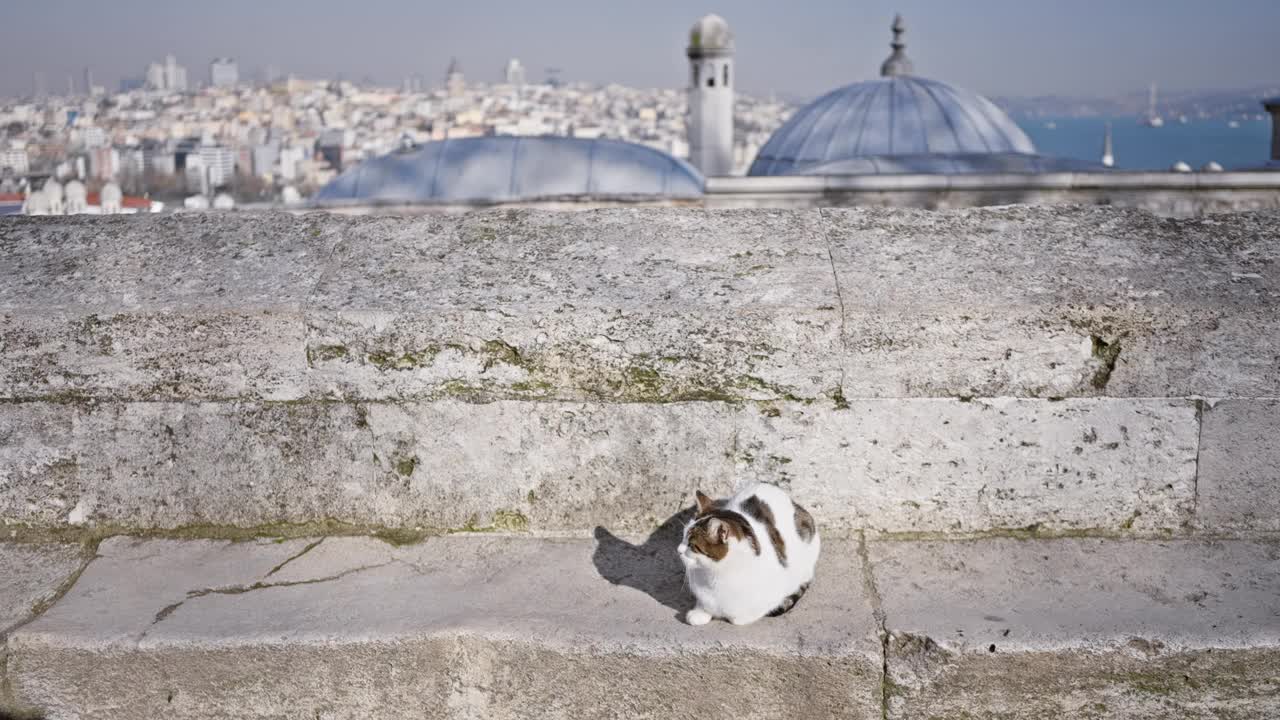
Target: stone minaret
[[711, 77]]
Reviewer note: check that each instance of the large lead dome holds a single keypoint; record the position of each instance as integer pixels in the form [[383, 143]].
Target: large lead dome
[[892, 118], [506, 169]]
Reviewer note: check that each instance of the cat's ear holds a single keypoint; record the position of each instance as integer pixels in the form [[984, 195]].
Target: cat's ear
[[704, 503]]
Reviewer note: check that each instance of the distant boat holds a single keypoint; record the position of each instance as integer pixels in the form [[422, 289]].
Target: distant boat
[[1152, 119], [1233, 124], [1182, 119], [1051, 125]]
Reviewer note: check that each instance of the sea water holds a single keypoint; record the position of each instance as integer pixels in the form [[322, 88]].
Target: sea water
[[1137, 147]]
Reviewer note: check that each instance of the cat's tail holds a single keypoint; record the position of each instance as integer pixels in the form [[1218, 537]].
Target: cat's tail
[[789, 601]]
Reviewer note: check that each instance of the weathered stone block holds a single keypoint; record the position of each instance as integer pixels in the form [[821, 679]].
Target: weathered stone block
[[145, 308], [1080, 628], [641, 306], [537, 305], [147, 356], [886, 465], [952, 466], [1056, 302], [1239, 470], [167, 465]]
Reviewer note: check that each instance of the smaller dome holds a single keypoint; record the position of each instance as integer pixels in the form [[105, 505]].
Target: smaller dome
[[1211, 166], [53, 190], [75, 190], [37, 203], [711, 33], [1180, 167], [111, 195]]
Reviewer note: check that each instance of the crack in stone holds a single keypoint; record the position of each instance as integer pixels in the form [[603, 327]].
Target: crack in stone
[[290, 559], [835, 278], [260, 585], [242, 589]]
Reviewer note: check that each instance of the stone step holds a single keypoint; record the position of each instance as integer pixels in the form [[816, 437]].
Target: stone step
[[887, 465], [472, 626]]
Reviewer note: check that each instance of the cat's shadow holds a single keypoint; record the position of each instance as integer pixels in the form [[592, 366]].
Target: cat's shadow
[[651, 567]]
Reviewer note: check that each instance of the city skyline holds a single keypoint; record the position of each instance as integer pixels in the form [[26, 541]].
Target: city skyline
[[998, 47]]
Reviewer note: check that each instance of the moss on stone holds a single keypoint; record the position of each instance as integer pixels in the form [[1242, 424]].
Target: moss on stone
[[837, 396], [407, 360], [405, 466], [324, 353], [502, 521]]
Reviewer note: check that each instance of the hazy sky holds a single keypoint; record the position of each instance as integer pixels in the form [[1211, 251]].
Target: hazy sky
[[802, 47]]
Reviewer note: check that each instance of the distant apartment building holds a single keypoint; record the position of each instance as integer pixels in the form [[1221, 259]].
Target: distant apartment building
[[218, 162], [514, 72], [15, 159], [168, 76], [104, 163], [223, 72]]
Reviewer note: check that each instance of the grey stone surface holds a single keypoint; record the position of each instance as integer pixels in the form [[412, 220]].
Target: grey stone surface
[[30, 578], [1008, 301], [1081, 628], [883, 464], [681, 305], [642, 305], [158, 307], [456, 627], [952, 466], [1239, 470]]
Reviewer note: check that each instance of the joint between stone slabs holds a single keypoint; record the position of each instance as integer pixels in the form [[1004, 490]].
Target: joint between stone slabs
[[882, 625], [485, 398], [278, 531], [1201, 406]]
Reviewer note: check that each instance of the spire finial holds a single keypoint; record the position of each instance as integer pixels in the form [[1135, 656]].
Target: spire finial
[[898, 63]]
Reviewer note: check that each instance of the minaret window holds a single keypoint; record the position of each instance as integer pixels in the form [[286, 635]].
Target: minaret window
[[726, 75]]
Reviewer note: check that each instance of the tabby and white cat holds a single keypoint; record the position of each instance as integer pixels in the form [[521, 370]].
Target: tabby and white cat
[[749, 556]]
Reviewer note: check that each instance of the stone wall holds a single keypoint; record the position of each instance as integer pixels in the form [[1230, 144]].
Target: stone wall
[[1167, 194], [1051, 371]]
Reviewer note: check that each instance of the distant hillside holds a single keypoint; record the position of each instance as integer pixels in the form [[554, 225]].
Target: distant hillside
[[1192, 103]]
